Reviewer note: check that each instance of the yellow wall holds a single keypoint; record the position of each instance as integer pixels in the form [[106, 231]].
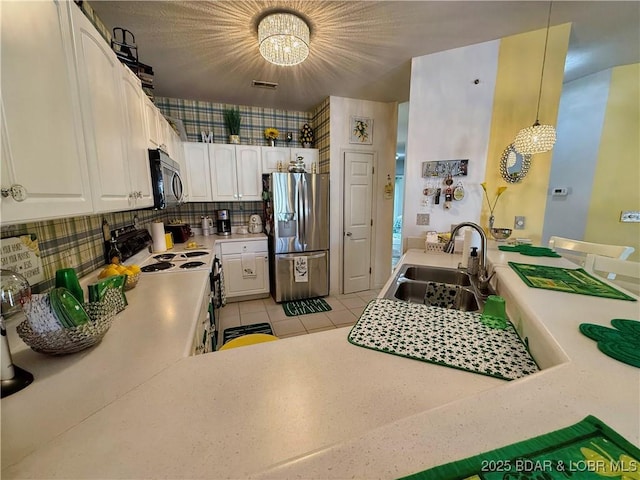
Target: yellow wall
[[515, 101], [616, 185]]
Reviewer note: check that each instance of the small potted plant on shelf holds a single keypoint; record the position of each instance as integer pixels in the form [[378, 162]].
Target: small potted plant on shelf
[[232, 121], [271, 134], [306, 136]]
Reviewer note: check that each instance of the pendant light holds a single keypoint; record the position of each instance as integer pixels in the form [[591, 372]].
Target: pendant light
[[537, 138]]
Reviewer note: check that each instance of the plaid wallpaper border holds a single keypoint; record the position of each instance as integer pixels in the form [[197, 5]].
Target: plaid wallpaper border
[[198, 117]]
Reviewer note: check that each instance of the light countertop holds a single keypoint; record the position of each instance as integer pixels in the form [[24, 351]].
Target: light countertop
[[312, 406]]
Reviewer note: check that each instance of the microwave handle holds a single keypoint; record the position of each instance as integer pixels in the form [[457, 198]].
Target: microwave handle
[[176, 185]]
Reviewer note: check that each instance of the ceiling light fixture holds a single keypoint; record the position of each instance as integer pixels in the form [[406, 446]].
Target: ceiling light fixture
[[283, 38], [537, 138]]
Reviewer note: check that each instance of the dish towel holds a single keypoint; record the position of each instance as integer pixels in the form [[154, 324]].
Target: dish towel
[[300, 269], [248, 261]]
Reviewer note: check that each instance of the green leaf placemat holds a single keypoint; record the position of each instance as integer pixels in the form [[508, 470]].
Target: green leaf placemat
[[529, 250], [588, 450], [566, 280]]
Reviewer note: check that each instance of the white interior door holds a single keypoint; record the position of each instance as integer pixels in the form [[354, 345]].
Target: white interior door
[[358, 184]]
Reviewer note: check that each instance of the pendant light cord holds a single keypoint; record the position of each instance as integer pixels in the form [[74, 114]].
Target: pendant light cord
[[544, 58]]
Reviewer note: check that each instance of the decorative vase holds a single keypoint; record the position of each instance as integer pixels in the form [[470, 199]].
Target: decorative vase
[[234, 139], [272, 142], [306, 145], [492, 219]]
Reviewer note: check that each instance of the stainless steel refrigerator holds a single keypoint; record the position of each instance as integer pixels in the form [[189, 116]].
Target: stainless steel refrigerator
[[299, 235]]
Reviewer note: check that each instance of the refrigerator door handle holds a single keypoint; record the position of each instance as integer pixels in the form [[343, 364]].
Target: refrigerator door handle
[[293, 256], [304, 210], [300, 213]]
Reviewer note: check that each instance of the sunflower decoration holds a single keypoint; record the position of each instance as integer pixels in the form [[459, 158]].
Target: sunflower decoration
[[271, 133]]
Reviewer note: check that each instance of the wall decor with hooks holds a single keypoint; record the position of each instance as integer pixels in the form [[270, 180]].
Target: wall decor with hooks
[[445, 168]]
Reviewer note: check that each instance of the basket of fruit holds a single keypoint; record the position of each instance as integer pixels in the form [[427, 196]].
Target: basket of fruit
[[131, 271]]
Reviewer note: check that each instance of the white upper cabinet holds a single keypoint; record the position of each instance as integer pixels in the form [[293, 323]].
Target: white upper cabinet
[[151, 116], [100, 75], [224, 185], [272, 157], [236, 172], [113, 105], [42, 138], [249, 170], [198, 172], [137, 152], [309, 157]]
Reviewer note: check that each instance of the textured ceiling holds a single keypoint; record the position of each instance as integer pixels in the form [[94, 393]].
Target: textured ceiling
[[207, 50]]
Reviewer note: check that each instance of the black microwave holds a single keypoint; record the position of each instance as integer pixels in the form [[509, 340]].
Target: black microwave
[[165, 180]]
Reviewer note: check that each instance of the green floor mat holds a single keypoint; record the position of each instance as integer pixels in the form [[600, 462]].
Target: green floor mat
[[235, 332], [304, 307], [588, 450]]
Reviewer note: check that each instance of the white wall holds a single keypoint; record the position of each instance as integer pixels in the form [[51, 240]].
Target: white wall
[[449, 118], [385, 122], [575, 155]]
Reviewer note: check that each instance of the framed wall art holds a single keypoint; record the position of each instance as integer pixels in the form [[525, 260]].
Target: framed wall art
[[361, 130]]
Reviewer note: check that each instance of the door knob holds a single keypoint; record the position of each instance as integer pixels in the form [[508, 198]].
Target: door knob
[[348, 234]]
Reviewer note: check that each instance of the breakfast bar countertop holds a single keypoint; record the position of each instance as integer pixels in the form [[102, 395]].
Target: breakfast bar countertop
[[313, 406]]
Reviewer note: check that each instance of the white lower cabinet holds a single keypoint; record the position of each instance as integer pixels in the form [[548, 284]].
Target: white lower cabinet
[[44, 171], [246, 268], [202, 337]]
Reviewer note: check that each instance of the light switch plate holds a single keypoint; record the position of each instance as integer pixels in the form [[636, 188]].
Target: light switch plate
[[422, 219], [630, 216]]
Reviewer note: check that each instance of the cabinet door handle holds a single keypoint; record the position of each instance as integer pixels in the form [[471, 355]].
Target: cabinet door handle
[[348, 234], [16, 191]]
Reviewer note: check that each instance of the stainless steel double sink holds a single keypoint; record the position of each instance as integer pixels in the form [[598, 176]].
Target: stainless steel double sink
[[455, 287]]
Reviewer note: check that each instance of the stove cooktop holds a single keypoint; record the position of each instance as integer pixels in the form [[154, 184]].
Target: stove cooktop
[[178, 261]]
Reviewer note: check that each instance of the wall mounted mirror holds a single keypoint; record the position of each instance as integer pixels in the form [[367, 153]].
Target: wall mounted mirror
[[513, 165]]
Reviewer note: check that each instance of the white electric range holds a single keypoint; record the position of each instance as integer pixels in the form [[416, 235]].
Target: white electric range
[[178, 261]]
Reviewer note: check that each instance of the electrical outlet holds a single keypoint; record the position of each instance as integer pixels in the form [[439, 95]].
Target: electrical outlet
[[630, 216], [422, 219], [519, 223]]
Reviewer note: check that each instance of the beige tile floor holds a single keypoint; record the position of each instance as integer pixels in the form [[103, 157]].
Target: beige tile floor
[[345, 310]]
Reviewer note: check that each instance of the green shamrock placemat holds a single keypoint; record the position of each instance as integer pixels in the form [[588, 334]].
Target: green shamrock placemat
[[442, 336]]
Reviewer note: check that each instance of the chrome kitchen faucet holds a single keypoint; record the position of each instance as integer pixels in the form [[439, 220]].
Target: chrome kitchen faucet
[[483, 279]]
